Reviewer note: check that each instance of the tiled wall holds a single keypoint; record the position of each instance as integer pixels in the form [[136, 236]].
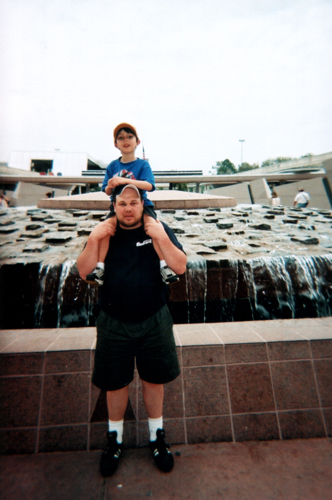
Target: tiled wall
[[239, 381]]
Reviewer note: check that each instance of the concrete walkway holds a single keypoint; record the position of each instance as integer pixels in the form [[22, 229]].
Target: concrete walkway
[[252, 470]]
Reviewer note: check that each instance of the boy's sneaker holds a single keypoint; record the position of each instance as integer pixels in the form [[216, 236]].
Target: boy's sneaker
[[110, 458], [96, 277], [168, 275], [161, 453]]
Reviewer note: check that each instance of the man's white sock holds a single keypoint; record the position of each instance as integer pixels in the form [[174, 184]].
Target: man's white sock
[[101, 264], [163, 263], [118, 427], [154, 424]]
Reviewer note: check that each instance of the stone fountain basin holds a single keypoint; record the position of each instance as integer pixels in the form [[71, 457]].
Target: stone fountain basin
[[244, 263]]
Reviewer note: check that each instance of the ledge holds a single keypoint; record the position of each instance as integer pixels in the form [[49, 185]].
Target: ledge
[[259, 380]]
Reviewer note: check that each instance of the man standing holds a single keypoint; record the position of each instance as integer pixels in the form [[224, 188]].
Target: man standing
[[134, 322], [302, 199]]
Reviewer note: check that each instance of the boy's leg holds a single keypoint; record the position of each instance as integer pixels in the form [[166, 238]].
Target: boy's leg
[[97, 275], [167, 274]]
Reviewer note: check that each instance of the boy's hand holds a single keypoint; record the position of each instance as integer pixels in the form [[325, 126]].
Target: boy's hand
[[116, 181], [154, 228], [105, 228]]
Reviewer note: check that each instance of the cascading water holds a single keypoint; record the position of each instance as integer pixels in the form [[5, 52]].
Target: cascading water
[[279, 287], [40, 302], [287, 287], [62, 301], [196, 288], [66, 268]]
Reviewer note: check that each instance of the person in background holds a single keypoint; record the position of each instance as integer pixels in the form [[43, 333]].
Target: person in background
[[302, 199], [4, 202], [275, 198]]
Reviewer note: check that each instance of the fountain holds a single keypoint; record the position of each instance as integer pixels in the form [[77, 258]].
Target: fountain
[[239, 268]]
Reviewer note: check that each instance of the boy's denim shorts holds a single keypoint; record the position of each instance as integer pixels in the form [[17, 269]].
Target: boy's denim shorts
[[151, 342]]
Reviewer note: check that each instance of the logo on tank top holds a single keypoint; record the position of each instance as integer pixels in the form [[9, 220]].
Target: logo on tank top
[[145, 242]]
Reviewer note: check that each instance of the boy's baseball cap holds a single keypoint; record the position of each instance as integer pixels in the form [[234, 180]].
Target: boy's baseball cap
[[121, 126], [120, 189]]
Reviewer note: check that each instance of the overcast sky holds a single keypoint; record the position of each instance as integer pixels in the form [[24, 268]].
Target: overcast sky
[[194, 76]]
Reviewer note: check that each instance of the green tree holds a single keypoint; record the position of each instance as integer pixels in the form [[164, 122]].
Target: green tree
[[246, 166], [180, 186], [273, 161], [223, 168]]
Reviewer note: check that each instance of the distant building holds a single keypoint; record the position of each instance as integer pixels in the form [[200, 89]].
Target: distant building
[[54, 162]]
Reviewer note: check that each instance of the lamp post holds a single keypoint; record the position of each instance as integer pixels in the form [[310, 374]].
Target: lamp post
[[242, 141]]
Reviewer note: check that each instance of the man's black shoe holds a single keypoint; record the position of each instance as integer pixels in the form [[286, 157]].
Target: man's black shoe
[[110, 458], [161, 453]]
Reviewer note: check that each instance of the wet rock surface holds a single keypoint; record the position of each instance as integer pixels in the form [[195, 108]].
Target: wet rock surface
[[241, 265], [222, 233]]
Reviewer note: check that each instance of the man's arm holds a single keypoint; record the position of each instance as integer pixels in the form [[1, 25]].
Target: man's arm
[[175, 258]]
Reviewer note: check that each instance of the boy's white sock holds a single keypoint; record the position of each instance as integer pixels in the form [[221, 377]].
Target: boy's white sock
[[118, 427], [101, 264], [163, 263], [154, 424]]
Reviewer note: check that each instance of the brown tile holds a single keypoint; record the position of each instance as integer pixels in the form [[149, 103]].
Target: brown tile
[[98, 439], [173, 399], [321, 348], [65, 438], [208, 429], [301, 424], [21, 364], [203, 355], [143, 435], [67, 361], [18, 441], [250, 388], [294, 385], [289, 350], [328, 420], [20, 399], [65, 399], [205, 391], [175, 433], [94, 396], [245, 353], [129, 434], [256, 426], [323, 369]]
